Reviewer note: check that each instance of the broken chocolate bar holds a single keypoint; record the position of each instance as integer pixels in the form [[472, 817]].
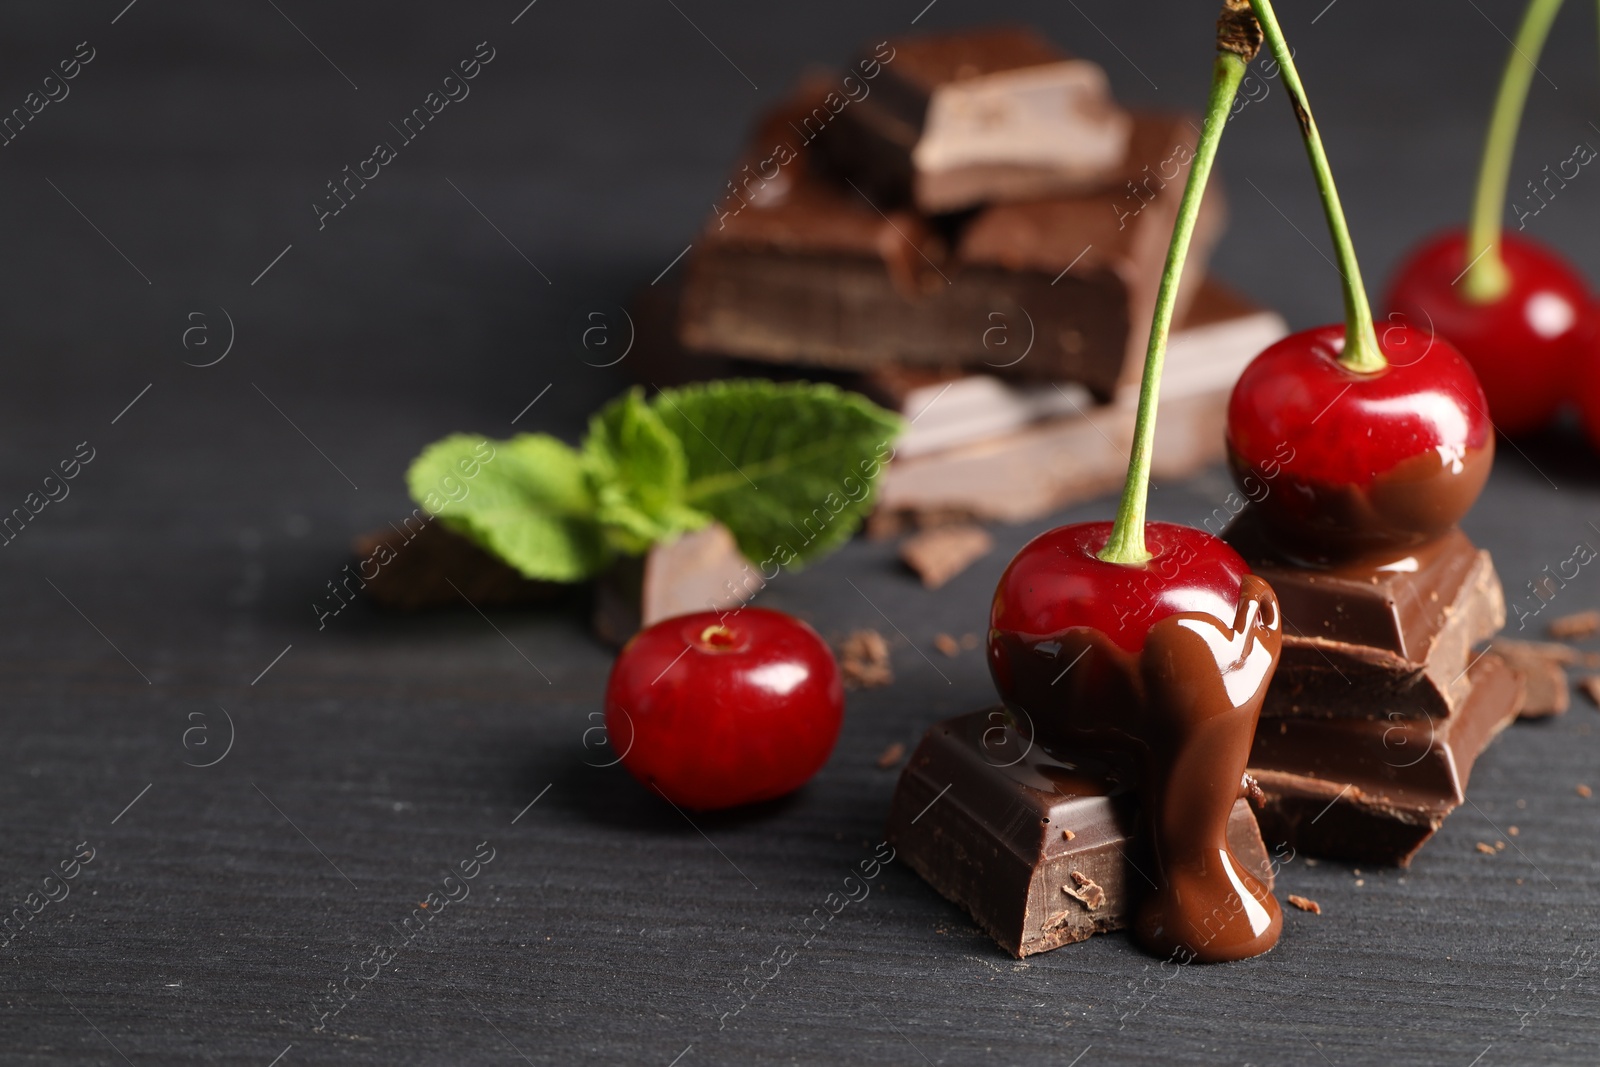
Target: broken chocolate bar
[[804, 269], [1040, 850], [963, 119], [1371, 790], [1366, 640]]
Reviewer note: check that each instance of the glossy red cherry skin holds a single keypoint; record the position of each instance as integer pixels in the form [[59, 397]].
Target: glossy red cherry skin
[[1523, 346], [717, 710], [1058, 582], [1339, 462]]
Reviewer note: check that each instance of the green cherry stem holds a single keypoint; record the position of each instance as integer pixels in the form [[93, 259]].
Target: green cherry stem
[[1361, 352], [1126, 544], [1487, 279]]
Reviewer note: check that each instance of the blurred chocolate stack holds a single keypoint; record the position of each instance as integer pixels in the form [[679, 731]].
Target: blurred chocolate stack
[[1381, 703], [968, 229]]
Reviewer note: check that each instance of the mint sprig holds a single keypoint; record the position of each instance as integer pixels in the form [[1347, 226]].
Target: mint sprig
[[791, 469]]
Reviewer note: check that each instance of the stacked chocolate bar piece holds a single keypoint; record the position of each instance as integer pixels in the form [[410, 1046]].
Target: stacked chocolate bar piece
[[1381, 702], [970, 230]]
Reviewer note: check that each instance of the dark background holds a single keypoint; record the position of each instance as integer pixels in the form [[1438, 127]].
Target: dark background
[[607, 927]]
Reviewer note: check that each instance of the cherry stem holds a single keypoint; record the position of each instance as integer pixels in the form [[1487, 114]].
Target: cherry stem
[[1126, 544], [1361, 352], [1486, 278]]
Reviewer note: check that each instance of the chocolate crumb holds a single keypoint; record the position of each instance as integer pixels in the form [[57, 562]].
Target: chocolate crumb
[[1499, 846], [1085, 891], [1542, 667], [1067, 835], [1484, 847], [940, 554], [948, 645], [1576, 626], [969, 641], [1305, 904], [864, 660], [891, 756], [1513, 831], [1590, 687], [1585, 791], [1361, 881]]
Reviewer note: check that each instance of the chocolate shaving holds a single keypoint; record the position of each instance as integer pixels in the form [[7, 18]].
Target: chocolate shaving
[[948, 645], [1575, 627], [864, 660], [1541, 666], [938, 555], [1486, 849], [1305, 904], [1085, 891], [1590, 687], [1584, 791], [891, 756]]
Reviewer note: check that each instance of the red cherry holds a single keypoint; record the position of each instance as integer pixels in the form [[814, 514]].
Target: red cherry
[[1340, 462], [714, 711], [1523, 345]]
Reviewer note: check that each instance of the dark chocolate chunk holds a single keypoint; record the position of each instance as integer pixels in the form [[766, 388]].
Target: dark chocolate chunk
[[413, 565], [1042, 851], [1373, 790], [803, 269], [958, 120], [1374, 640]]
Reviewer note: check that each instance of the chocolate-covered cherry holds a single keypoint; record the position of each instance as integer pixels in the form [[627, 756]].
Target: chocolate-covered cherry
[[1162, 667], [1524, 343], [1340, 461], [715, 710]]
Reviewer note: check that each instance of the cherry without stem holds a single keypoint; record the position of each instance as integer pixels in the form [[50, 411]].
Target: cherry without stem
[[714, 711]]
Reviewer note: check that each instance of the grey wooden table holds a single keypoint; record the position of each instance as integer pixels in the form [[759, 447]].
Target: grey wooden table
[[160, 617]]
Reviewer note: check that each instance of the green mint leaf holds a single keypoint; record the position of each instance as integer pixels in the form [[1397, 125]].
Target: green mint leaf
[[528, 500], [791, 469], [638, 472]]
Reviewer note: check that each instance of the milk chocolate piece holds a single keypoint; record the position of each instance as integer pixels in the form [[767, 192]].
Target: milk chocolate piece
[[1377, 640], [962, 119], [1040, 850], [1374, 791], [797, 267], [1543, 668], [700, 571]]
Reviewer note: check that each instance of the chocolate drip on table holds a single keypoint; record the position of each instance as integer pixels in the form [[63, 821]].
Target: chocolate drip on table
[[1181, 714]]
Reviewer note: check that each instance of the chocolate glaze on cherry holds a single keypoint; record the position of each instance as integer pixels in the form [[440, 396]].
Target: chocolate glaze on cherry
[[1342, 463], [1161, 668], [1525, 345], [713, 710]]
